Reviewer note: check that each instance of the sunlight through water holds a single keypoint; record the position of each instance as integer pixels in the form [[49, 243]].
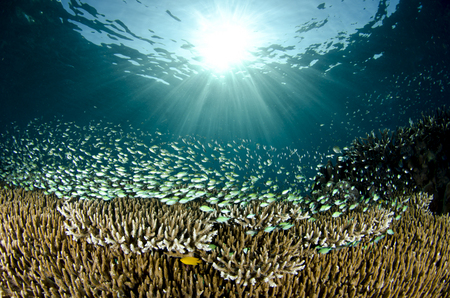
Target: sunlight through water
[[225, 45], [247, 69], [226, 36]]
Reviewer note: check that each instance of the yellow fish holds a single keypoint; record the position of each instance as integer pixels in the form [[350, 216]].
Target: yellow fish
[[190, 261]]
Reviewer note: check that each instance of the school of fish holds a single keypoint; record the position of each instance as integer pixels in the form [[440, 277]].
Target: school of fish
[[104, 161]]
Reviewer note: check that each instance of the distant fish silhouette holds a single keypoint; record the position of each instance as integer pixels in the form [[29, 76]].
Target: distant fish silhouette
[[170, 14]]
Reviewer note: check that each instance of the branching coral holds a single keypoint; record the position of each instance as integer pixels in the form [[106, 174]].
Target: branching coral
[[255, 217], [249, 258], [264, 257], [138, 225], [410, 158], [38, 258]]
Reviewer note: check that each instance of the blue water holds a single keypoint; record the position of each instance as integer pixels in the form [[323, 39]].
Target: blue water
[[315, 75]]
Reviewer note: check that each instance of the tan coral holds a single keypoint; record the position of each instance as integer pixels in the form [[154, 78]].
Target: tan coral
[[147, 224], [255, 217], [38, 259], [266, 257], [263, 258]]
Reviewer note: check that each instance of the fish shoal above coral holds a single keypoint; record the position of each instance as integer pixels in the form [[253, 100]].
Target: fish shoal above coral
[[380, 165]]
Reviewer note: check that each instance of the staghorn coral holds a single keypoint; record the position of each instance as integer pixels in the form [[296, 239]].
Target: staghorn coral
[[262, 258], [420, 201], [38, 259], [353, 227], [138, 225], [411, 263], [255, 217], [266, 257]]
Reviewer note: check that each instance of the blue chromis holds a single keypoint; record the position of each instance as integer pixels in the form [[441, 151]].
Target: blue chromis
[[337, 150], [269, 229], [336, 214], [324, 208], [190, 261], [325, 250], [206, 209], [286, 225], [222, 219]]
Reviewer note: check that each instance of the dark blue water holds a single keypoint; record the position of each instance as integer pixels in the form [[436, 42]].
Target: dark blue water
[[318, 75]]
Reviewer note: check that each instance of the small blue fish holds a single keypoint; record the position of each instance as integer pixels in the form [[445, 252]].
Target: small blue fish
[[336, 214], [269, 229], [325, 250], [324, 208], [222, 219], [206, 209]]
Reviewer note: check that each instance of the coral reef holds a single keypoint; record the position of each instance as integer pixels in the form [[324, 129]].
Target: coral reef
[[138, 225], [39, 259], [415, 157], [250, 258]]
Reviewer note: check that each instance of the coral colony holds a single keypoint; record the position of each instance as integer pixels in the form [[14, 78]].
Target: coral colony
[[104, 211]]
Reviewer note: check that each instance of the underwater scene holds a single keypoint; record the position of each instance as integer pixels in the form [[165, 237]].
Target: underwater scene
[[225, 148]]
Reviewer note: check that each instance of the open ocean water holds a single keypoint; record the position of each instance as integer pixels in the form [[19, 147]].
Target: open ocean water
[[305, 74]]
